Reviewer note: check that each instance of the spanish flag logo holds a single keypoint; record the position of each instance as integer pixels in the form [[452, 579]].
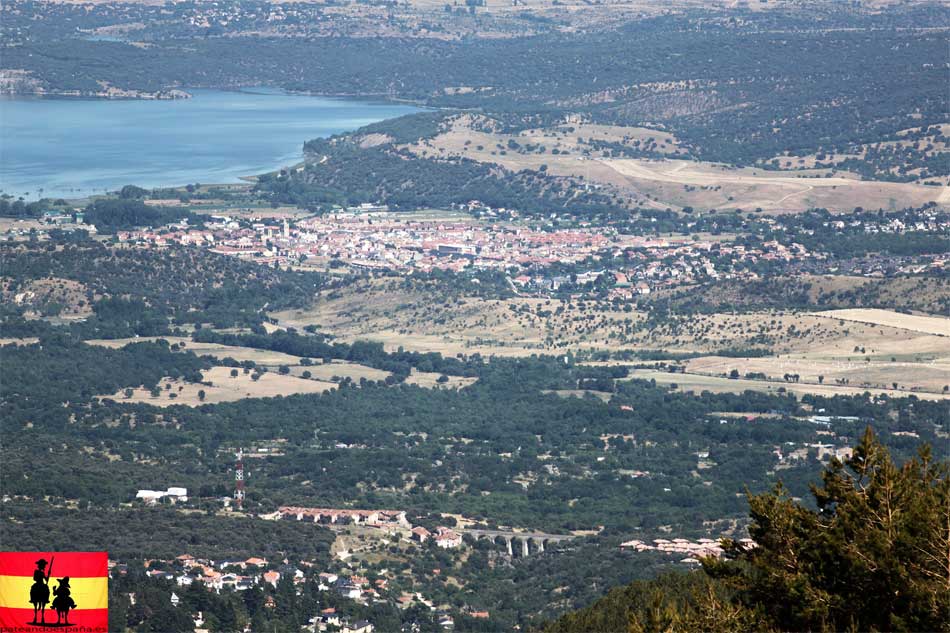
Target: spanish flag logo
[[47, 591]]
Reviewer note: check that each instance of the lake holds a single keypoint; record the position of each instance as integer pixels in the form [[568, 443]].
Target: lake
[[76, 147]]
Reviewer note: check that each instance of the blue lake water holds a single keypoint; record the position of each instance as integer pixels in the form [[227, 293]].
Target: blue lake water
[[76, 147]]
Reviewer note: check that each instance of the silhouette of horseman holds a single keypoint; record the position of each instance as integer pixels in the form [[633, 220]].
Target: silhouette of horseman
[[39, 591]]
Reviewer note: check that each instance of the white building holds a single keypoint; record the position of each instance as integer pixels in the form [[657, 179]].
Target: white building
[[152, 496], [149, 496], [447, 539], [180, 494]]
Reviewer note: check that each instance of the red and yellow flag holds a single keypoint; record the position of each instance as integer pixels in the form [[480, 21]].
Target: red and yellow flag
[[41, 585]]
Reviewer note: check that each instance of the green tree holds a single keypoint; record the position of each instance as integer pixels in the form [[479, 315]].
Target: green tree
[[168, 619], [874, 555], [129, 192]]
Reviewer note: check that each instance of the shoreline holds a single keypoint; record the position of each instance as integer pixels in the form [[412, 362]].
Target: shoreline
[[170, 94], [292, 158], [114, 95]]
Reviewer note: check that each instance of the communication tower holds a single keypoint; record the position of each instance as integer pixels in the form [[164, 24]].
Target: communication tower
[[239, 480]]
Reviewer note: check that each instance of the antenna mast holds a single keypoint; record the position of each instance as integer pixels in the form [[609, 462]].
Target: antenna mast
[[239, 480]]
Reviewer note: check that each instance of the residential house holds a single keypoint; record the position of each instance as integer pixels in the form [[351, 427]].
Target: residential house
[[421, 534], [447, 538], [272, 577]]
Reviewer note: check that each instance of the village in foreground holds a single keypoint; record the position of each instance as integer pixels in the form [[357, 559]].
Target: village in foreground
[[344, 581]]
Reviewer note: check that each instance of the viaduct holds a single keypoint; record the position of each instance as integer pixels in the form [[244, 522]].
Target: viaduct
[[531, 542]]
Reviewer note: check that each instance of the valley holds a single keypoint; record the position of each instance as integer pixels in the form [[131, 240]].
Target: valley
[[421, 317]]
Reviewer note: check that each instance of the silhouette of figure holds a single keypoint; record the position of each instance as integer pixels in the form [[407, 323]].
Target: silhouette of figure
[[63, 601], [39, 591]]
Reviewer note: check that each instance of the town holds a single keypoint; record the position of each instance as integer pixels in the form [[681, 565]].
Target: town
[[536, 259]]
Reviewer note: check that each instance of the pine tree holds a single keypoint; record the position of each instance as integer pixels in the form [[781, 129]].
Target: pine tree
[[875, 555]]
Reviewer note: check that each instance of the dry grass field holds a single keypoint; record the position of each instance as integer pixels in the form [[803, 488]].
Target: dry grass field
[[225, 388], [29, 340], [917, 323], [259, 356], [698, 383], [874, 351], [420, 318], [835, 351], [666, 182], [853, 349], [472, 136], [430, 380], [679, 183], [383, 310], [339, 369], [929, 376], [783, 332], [850, 350]]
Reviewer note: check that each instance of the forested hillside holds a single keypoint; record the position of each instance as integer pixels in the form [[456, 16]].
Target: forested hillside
[[738, 89], [342, 172], [871, 555], [125, 285]]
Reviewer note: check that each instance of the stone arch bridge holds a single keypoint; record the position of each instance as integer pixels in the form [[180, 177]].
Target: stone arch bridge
[[525, 543]]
